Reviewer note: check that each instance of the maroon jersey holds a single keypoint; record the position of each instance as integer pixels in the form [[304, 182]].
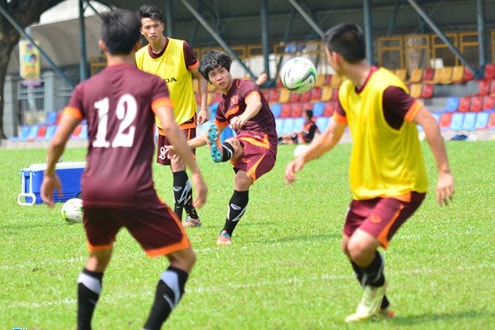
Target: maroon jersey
[[234, 104], [117, 104]]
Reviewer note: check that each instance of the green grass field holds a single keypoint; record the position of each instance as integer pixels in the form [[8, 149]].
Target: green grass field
[[285, 269]]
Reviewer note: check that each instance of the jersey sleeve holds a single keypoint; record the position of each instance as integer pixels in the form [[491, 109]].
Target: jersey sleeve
[[75, 106], [190, 57]]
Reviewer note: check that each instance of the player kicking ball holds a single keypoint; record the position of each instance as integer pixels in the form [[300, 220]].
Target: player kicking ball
[[253, 150]]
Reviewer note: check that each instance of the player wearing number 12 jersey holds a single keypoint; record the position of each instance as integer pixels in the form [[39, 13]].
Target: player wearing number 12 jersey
[[120, 104]]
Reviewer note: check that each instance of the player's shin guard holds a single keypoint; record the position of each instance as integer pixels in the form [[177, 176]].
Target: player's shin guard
[[227, 151], [373, 273], [180, 191], [237, 207], [169, 291], [88, 291]]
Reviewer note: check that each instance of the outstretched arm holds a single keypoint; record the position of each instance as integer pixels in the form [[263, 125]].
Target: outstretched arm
[[320, 145], [445, 183]]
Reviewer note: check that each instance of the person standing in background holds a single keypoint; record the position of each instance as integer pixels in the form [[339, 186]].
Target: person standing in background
[[175, 62]]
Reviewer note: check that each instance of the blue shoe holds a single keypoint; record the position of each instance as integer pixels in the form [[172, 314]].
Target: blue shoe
[[191, 222], [224, 238], [215, 145]]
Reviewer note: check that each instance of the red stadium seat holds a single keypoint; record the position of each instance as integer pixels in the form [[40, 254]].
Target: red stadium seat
[[329, 109], [298, 110], [489, 103], [294, 97], [490, 71], [464, 104], [476, 104], [286, 110], [484, 87], [427, 91], [445, 120]]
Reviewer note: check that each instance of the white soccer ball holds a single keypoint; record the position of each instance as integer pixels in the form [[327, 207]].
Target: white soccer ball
[[298, 75], [300, 149], [72, 211]]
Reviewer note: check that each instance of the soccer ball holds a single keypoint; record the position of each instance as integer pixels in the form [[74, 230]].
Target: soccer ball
[[300, 149], [298, 75], [72, 211]]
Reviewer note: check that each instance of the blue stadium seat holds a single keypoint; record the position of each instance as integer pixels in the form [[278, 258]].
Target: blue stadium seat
[[276, 109], [318, 109], [279, 123], [457, 121], [51, 118], [469, 122], [50, 132], [482, 120], [452, 104], [33, 133], [23, 134], [322, 123]]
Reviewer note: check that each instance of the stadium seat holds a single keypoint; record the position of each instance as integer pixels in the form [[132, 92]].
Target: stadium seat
[[33, 133], [452, 104], [492, 88], [288, 126], [416, 76], [445, 120], [274, 95], [284, 95], [469, 122], [437, 76], [490, 71], [51, 118], [276, 109], [458, 74], [491, 120], [23, 134], [318, 109], [446, 75], [279, 124], [329, 109], [76, 132], [41, 133], [315, 94], [50, 132], [320, 80], [306, 97], [427, 91], [298, 109], [488, 103], [401, 74], [294, 97], [476, 104], [322, 123], [484, 87], [335, 81], [464, 104], [286, 110], [468, 74], [436, 115], [457, 121], [326, 94], [415, 90], [428, 75], [481, 120]]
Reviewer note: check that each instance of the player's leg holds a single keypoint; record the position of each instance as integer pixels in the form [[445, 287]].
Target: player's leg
[[170, 287], [160, 233], [183, 193], [236, 207], [100, 233]]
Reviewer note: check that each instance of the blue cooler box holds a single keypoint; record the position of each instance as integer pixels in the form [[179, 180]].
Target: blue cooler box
[[31, 178]]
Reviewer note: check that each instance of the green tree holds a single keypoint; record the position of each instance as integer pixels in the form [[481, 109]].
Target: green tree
[[25, 13]]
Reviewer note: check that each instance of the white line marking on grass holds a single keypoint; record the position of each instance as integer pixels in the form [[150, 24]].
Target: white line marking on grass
[[111, 297]]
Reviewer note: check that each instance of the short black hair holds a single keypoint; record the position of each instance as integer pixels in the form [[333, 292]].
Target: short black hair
[[120, 30], [213, 59], [309, 113], [348, 40], [150, 11]]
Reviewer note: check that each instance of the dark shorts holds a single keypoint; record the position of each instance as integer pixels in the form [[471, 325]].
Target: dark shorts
[[381, 217], [189, 132], [258, 156], [157, 229]]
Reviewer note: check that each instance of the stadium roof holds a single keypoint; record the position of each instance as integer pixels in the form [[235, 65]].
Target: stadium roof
[[209, 23]]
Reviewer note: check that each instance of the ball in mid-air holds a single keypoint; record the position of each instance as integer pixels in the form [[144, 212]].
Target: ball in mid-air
[[72, 211], [298, 75]]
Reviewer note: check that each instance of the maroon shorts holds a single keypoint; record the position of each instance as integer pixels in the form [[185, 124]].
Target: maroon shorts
[[258, 155], [162, 142], [381, 217], [156, 229]]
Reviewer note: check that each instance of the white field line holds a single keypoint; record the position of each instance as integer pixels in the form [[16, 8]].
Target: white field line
[[233, 286]]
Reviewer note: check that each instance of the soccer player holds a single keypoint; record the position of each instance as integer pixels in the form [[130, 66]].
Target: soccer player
[[387, 171], [120, 104], [175, 62], [254, 148], [304, 136]]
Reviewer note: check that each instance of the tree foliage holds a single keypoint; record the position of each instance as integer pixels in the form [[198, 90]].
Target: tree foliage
[[25, 13]]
